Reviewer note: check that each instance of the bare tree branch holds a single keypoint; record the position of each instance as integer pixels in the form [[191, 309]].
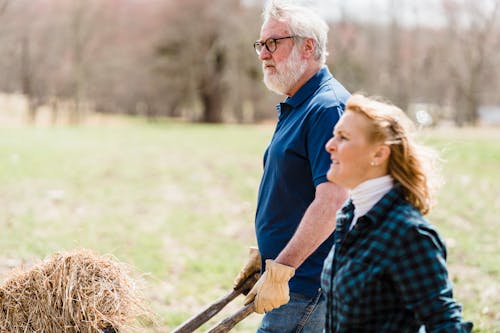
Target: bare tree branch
[[3, 6]]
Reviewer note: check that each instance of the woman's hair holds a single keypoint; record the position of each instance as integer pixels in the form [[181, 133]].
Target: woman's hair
[[302, 21], [410, 164]]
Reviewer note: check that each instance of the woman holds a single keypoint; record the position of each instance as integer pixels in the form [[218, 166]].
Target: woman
[[387, 270]]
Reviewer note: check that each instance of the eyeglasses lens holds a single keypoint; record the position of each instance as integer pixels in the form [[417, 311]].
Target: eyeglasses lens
[[271, 45]]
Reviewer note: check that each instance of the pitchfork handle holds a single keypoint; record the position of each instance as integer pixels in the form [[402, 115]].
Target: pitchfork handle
[[199, 319], [227, 324]]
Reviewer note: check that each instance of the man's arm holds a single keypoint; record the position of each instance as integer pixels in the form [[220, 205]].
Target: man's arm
[[316, 225], [318, 222]]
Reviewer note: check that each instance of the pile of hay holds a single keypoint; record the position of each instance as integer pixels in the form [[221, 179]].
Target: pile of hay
[[76, 291]]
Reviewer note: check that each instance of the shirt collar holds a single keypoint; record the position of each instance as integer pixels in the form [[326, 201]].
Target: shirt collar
[[368, 193], [309, 87], [344, 218], [382, 208], [283, 108]]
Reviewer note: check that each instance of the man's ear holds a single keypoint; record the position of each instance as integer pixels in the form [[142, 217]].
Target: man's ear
[[308, 48]]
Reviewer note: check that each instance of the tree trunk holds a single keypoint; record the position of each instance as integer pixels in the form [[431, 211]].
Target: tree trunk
[[212, 90], [212, 106]]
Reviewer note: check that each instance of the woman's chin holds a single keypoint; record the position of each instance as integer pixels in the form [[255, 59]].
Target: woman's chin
[[330, 176]]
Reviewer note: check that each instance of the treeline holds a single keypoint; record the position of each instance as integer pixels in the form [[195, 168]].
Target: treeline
[[194, 58]]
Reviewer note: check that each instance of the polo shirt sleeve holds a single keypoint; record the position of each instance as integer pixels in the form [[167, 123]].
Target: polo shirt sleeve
[[421, 277], [320, 131]]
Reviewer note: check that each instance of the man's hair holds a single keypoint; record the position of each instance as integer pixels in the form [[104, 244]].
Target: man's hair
[[302, 21]]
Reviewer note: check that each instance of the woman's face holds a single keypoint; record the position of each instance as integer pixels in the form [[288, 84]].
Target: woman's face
[[351, 152]]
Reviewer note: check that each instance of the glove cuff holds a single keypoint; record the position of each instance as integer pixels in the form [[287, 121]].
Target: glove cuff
[[254, 261], [279, 272], [254, 254]]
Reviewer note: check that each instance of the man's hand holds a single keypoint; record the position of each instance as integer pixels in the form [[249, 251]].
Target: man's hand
[[271, 291], [253, 265]]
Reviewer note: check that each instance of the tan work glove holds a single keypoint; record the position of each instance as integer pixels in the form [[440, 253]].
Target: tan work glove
[[271, 291], [252, 266]]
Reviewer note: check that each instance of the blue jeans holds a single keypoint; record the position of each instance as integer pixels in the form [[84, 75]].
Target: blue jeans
[[301, 314]]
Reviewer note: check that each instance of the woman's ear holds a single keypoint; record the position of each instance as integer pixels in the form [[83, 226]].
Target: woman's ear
[[382, 154]]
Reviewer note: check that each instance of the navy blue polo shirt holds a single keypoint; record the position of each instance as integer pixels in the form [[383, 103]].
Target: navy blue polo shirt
[[295, 162]]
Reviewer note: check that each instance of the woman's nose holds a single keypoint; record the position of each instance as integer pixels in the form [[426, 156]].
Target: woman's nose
[[330, 146]]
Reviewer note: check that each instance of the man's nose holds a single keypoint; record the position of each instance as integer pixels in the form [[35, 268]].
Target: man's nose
[[264, 54]]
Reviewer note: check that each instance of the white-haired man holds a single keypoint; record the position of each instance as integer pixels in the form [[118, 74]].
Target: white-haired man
[[297, 205]]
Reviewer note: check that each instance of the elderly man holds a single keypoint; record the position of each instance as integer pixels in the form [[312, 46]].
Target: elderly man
[[296, 206]]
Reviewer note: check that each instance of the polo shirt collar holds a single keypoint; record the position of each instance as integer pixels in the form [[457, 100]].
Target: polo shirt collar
[[309, 87], [283, 108]]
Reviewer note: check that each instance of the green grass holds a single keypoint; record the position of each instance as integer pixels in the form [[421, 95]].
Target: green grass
[[467, 214], [177, 201]]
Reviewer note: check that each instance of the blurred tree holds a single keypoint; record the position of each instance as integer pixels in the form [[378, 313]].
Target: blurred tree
[[473, 41], [81, 30], [3, 6], [197, 50], [121, 64], [27, 77], [26, 33], [195, 53], [194, 59], [346, 46]]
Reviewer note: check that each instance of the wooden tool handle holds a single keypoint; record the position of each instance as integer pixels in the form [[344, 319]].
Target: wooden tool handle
[[199, 319], [227, 324]]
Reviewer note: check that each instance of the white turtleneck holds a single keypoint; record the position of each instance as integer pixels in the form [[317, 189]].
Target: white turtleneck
[[368, 193]]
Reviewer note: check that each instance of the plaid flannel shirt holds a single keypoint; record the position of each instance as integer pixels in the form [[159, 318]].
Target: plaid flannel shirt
[[388, 273]]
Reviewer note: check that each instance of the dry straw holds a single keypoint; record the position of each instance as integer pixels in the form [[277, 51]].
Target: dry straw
[[77, 291]]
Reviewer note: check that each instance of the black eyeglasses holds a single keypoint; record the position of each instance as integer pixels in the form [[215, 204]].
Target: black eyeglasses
[[269, 43]]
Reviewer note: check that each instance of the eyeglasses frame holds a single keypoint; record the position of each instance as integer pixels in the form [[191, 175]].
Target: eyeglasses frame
[[263, 43]]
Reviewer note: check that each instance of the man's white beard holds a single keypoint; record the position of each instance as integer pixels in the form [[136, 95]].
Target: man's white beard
[[287, 74]]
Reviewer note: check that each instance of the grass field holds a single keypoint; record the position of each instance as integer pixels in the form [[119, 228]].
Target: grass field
[[177, 202]]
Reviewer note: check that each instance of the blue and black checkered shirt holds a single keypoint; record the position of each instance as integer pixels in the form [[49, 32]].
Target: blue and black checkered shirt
[[388, 274]]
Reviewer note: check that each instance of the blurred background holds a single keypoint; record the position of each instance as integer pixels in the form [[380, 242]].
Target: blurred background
[[136, 128], [61, 60]]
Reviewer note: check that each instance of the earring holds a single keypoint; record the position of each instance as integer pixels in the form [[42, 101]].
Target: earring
[[373, 163]]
